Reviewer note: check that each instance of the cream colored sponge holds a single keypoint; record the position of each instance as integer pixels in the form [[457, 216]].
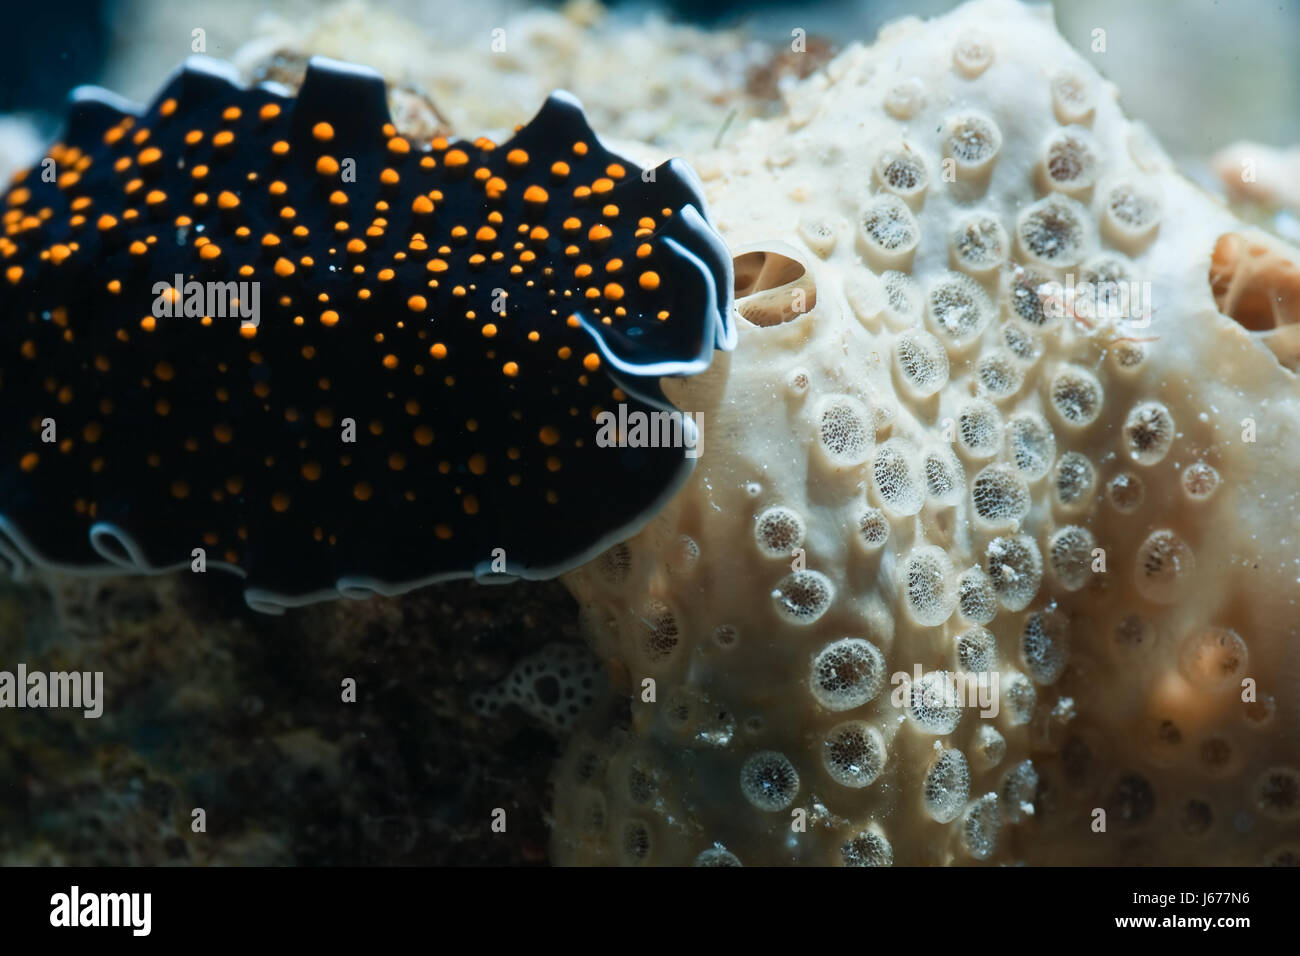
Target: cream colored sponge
[[992, 553]]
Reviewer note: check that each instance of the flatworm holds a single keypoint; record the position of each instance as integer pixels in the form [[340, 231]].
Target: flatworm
[[272, 334]]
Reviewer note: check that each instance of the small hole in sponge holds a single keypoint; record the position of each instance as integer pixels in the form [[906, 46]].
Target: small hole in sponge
[[1256, 282], [772, 288], [1253, 284], [759, 271], [547, 689]]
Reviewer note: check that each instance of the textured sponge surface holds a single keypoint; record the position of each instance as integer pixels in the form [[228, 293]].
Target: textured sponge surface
[[992, 565]]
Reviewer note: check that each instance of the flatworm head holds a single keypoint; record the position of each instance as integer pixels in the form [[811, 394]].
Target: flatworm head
[[272, 334]]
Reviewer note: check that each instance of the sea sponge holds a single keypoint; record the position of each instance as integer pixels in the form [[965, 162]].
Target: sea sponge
[[553, 685], [1117, 573]]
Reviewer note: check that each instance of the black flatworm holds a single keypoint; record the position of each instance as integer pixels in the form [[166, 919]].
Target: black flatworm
[[270, 333]]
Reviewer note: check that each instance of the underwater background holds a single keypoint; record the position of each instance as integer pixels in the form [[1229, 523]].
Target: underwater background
[[212, 705]]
